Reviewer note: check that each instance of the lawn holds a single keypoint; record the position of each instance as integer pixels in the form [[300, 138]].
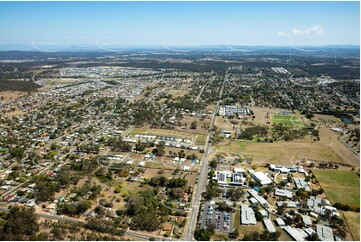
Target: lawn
[[289, 120], [233, 146], [340, 186], [201, 139], [353, 221]]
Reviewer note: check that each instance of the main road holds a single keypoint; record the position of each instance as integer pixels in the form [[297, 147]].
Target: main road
[[203, 174]]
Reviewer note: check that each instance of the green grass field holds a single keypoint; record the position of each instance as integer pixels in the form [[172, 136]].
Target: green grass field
[[340, 186], [201, 139], [289, 120], [233, 146]]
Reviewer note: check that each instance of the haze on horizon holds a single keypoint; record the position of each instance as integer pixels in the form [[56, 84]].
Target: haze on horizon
[[32, 24]]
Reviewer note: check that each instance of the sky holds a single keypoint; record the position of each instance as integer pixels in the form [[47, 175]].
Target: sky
[[107, 24]]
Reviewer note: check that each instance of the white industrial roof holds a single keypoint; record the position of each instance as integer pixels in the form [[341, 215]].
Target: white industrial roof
[[247, 215], [324, 233], [261, 177], [269, 225], [294, 233]]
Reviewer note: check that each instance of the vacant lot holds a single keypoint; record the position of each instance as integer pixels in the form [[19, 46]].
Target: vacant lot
[[353, 221], [179, 92], [340, 186], [327, 149], [201, 139], [8, 95], [190, 176], [289, 120], [287, 152], [150, 172]]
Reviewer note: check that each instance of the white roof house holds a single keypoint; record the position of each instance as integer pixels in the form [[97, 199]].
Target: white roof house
[[261, 177]]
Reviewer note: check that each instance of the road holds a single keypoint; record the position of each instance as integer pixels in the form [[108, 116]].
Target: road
[[203, 174], [196, 100]]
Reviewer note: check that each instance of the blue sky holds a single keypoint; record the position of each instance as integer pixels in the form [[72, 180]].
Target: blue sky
[[179, 23]]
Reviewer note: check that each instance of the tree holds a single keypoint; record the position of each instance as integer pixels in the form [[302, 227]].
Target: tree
[[203, 234], [213, 164], [194, 125], [20, 223], [235, 194]]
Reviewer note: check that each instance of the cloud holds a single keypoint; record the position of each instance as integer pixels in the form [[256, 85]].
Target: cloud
[[313, 31], [283, 34], [316, 30]]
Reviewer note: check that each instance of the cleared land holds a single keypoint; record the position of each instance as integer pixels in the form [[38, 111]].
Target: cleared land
[[353, 221], [340, 186], [327, 149], [179, 92]]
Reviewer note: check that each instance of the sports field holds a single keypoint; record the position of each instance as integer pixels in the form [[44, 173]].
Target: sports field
[[340, 186], [288, 119]]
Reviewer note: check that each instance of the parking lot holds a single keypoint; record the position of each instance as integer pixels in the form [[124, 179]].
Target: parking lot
[[222, 221]]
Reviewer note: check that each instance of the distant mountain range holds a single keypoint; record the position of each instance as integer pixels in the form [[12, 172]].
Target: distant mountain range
[[79, 48]]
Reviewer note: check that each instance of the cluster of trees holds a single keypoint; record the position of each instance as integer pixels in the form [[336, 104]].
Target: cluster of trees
[[283, 132], [328, 165], [21, 86], [159, 150], [88, 148], [104, 226], [346, 207], [235, 194], [144, 209], [265, 236], [19, 224], [204, 234], [185, 103], [74, 208], [162, 181], [117, 144], [91, 192], [17, 152], [250, 132], [212, 190]]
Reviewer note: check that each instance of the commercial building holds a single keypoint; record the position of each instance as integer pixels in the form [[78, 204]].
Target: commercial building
[[283, 193], [230, 111], [294, 233], [269, 225], [247, 215], [301, 183], [261, 177], [259, 199], [324, 233]]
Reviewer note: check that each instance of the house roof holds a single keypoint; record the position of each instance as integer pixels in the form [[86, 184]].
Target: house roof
[[167, 227]]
